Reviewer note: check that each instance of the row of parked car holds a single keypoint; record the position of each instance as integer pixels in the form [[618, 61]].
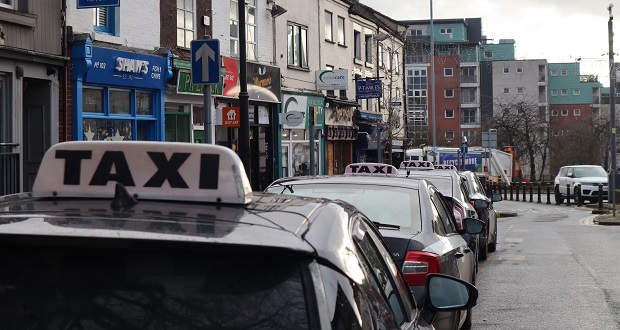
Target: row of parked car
[[433, 219], [171, 235]]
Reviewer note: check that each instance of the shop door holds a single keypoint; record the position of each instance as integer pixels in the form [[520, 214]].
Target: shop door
[[260, 155], [36, 127], [10, 168], [177, 127]]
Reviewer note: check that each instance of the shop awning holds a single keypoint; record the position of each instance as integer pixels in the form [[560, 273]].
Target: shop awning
[[341, 102], [369, 116]]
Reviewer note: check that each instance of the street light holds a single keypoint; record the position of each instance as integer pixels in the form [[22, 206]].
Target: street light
[[433, 77], [379, 37], [612, 108]]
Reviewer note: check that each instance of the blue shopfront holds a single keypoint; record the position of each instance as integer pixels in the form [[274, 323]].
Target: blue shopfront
[[118, 94]]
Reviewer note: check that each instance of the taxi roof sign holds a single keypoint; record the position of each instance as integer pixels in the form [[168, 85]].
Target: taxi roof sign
[[416, 165], [372, 169], [445, 167], [148, 170]]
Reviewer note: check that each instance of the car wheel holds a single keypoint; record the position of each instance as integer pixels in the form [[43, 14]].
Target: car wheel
[[468, 323], [558, 197], [484, 248], [493, 245]]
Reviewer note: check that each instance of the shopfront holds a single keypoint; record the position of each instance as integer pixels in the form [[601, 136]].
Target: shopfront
[[369, 126], [295, 133], [341, 134], [118, 95]]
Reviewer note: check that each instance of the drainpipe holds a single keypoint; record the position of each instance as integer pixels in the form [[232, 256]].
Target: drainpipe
[[66, 70]]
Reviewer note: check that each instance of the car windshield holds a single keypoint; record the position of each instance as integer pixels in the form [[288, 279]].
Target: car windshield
[[57, 287], [582, 172], [383, 204]]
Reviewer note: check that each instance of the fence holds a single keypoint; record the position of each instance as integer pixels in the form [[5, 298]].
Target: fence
[[9, 169]]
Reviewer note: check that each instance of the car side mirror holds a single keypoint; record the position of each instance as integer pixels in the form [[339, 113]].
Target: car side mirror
[[496, 198], [481, 204], [473, 226], [447, 293]]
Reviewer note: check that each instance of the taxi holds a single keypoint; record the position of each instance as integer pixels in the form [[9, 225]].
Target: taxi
[[142, 235], [413, 217]]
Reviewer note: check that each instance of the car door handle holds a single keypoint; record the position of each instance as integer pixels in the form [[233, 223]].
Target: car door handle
[[459, 255], [467, 250]]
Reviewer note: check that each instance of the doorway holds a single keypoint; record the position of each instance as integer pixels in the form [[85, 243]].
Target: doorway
[[36, 127]]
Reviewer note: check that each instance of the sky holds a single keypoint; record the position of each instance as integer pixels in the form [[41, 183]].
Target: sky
[[560, 31]]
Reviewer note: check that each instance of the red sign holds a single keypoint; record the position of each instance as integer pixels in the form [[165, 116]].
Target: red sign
[[230, 116], [231, 78]]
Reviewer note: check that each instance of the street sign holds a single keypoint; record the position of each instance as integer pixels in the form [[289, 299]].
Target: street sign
[[489, 139], [81, 4], [368, 89], [464, 147], [205, 61]]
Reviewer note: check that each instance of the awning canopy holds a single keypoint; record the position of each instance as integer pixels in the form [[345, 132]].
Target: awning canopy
[[341, 102], [369, 116]]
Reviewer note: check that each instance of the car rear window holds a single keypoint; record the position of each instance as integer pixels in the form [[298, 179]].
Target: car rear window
[[97, 288], [384, 204]]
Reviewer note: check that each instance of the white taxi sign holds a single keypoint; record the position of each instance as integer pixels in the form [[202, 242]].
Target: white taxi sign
[[416, 165], [148, 170], [374, 169], [445, 167]]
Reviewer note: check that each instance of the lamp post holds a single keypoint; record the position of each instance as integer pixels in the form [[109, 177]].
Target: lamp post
[[433, 77], [244, 97], [612, 108]]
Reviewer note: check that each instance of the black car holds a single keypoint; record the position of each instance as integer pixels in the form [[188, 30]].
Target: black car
[[413, 217], [485, 209], [134, 235]]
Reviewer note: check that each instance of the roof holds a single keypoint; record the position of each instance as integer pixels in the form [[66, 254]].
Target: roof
[[357, 179]]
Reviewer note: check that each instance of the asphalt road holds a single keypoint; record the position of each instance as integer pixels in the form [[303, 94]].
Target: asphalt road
[[553, 269]]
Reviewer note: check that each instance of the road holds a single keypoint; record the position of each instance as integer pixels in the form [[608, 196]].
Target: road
[[553, 269]]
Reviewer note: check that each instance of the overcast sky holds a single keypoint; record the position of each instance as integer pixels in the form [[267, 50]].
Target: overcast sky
[[557, 30]]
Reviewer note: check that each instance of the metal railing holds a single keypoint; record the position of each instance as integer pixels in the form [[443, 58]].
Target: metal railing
[[9, 169]]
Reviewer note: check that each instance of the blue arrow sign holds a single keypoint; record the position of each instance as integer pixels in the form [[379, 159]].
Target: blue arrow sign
[[464, 147], [205, 62]]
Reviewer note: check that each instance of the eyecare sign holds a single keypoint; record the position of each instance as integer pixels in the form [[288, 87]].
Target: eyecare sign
[[114, 67], [332, 79]]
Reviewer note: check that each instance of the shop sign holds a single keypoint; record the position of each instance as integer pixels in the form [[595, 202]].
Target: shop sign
[[302, 103], [231, 77], [342, 116], [341, 133], [97, 3], [231, 116], [332, 79], [120, 68], [263, 82], [368, 89], [185, 86]]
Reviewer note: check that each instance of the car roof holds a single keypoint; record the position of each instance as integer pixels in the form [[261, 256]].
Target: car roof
[[413, 183], [293, 224]]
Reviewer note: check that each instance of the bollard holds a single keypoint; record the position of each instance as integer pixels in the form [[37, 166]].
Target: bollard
[[567, 194], [518, 186], [524, 191], [600, 197], [531, 192], [505, 192], [549, 193], [539, 187], [511, 186], [578, 196]]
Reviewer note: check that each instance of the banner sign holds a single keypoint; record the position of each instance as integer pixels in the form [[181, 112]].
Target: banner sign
[[368, 89], [473, 162]]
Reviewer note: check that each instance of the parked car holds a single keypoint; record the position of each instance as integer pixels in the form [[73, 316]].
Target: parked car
[[485, 209], [413, 217], [585, 177], [134, 235]]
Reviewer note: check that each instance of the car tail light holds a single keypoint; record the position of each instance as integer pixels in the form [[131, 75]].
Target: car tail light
[[459, 215], [418, 264]]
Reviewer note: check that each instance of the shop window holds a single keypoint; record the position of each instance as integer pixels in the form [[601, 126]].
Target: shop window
[[119, 102], [144, 103], [92, 100]]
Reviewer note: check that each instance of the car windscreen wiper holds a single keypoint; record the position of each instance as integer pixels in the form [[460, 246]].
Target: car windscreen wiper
[[289, 187], [385, 225]]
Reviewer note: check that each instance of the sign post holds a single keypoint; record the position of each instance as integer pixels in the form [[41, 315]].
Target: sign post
[[206, 71]]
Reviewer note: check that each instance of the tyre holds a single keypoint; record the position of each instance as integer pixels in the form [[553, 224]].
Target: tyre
[[558, 197], [468, 323], [483, 252], [493, 245]]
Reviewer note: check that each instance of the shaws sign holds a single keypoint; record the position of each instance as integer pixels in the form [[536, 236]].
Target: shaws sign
[[332, 79]]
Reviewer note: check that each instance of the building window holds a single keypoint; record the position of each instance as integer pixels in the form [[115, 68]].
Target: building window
[[357, 45], [469, 117], [396, 64], [445, 31], [368, 43], [380, 55], [185, 23], [564, 112], [554, 113], [488, 54], [576, 92], [506, 90], [341, 40], [564, 72], [448, 72], [7, 4], [449, 135], [105, 19], [576, 112], [416, 32], [519, 70], [297, 46], [506, 70], [329, 31], [448, 93], [554, 92], [563, 92], [250, 33], [554, 72], [449, 113], [519, 90]]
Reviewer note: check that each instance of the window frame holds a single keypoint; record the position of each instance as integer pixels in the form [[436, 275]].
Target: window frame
[[520, 90], [576, 92], [110, 27], [519, 70], [448, 90], [554, 92], [506, 90], [446, 74], [250, 38], [447, 111], [186, 43], [564, 72], [449, 135], [301, 43], [564, 112], [357, 46], [488, 54], [554, 72], [555, 113], [445, 31], [341, 34], [563, 92], [329, 24], [368, 48], [576, 112], [12, 5], [506, 70]]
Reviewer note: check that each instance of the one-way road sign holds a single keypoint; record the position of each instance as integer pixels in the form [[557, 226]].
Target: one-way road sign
[[205, 61]]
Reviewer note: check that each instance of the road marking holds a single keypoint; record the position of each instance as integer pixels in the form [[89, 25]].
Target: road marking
[[589, 221]]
